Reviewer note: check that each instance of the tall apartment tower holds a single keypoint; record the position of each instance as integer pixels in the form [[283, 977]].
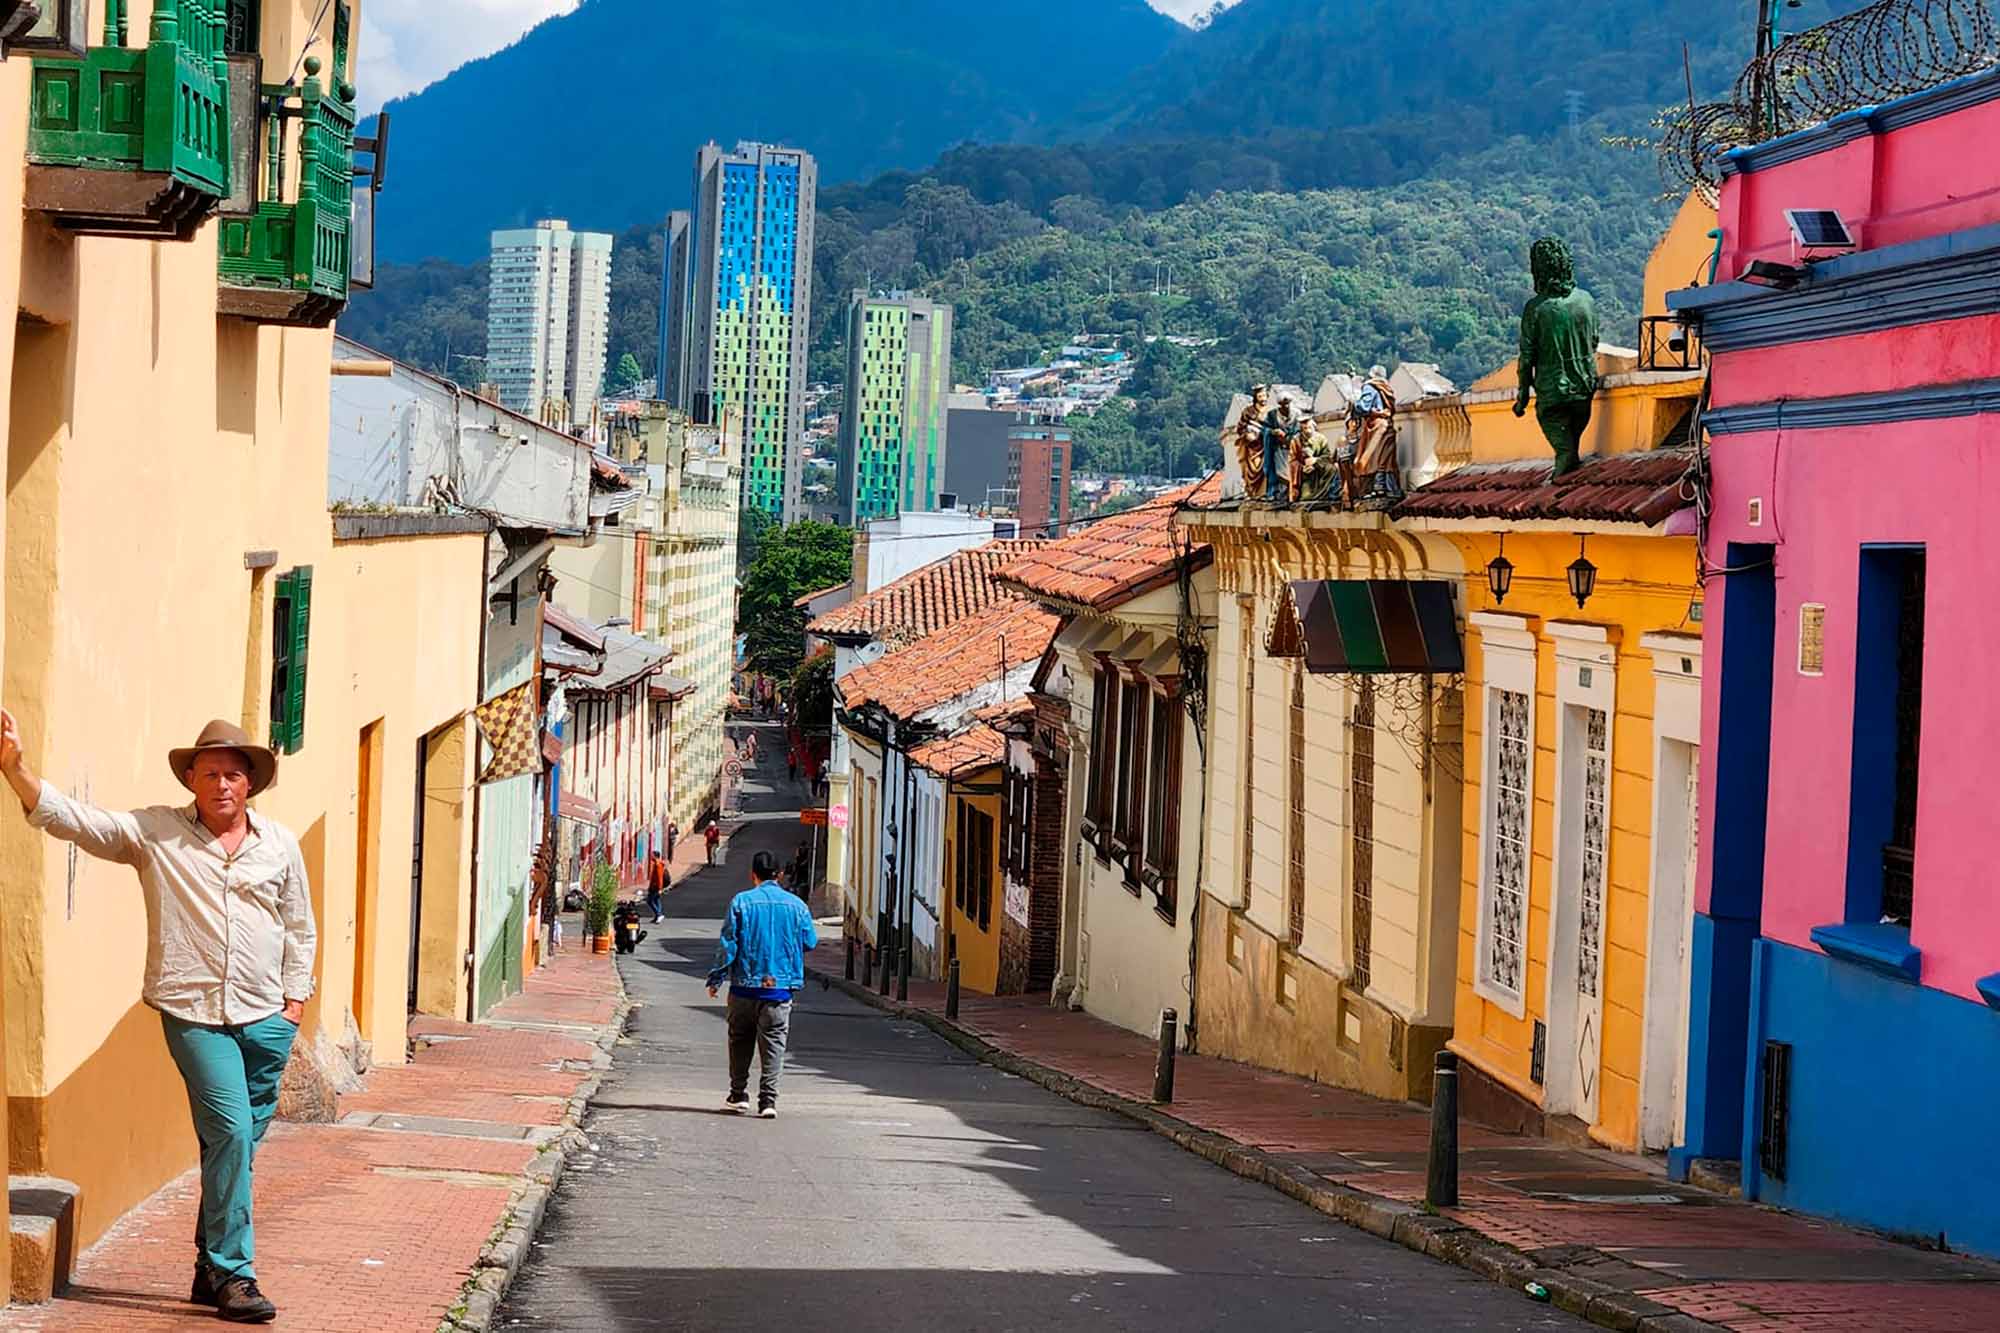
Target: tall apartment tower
[[676, 312], [750, 309], [548, 316], [893, 431]]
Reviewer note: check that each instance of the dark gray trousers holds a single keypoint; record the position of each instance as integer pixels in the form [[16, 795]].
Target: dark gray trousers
[[763, 1025]]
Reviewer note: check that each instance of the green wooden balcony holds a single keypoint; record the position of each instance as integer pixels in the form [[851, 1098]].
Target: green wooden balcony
[[288, 261], [134, 141]]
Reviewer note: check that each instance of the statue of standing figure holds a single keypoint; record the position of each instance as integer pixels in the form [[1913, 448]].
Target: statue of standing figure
[[1250, 443], [1368, 457], [1558, 352], [1281, 426]]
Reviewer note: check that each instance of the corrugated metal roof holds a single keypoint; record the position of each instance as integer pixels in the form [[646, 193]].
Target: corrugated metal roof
[[1113, 559], [627, 657], [1642, 487]]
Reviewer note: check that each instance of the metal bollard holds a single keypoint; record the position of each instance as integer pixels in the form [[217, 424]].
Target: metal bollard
[[1163, 1072], [951, 991], [1441, 1181], [903, 966], [867, 965], [887, 958], [850, 958]]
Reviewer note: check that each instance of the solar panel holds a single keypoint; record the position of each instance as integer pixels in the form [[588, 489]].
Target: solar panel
[[1819, 229]]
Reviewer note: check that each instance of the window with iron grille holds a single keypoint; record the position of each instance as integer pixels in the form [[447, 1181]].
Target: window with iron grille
[[1596, 792], [975, 864], [1246, 612], [1163, 818], [1104, 697], [1295, 792], [1510, 807], [1361, 830], [1133, 715]]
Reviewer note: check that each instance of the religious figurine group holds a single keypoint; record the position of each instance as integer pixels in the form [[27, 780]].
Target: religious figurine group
[[1286, 460]]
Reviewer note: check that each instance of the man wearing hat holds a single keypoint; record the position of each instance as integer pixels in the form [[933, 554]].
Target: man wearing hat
[[229, 964]]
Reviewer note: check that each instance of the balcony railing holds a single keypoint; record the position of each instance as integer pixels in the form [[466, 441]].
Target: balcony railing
[[1667, 344], [288, 262], [134, 141]]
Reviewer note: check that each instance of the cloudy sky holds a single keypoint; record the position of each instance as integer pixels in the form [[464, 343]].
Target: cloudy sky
[[411, 43]]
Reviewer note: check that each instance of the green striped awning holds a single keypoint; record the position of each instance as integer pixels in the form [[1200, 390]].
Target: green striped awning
[[1370, 626]]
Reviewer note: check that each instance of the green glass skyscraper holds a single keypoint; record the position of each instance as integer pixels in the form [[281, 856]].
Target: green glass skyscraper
[[749, 296], [894, 426]]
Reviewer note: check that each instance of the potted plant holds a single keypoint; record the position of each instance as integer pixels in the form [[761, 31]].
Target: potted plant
[[597, 912]]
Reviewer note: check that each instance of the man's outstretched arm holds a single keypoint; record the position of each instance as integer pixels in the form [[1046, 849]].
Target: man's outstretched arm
[[102, 833]]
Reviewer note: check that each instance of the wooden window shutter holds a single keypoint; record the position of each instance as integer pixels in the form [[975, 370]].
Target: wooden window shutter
[[295, 684], [283, 607]]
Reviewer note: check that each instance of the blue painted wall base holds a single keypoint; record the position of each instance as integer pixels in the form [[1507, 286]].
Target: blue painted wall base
[[1893, 1087], [1718, 1034]]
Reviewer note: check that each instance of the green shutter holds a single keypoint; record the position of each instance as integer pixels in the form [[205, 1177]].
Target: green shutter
[[295, 685], [282, 606]]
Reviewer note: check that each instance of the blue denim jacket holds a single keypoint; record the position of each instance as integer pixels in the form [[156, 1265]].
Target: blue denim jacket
[[764, 940]]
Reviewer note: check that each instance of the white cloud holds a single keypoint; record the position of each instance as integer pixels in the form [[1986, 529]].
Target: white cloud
[[1184, 10], [410, 44]]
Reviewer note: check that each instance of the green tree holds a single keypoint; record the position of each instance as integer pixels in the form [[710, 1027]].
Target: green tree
[[626, 373], [812, 694], [790, 563]]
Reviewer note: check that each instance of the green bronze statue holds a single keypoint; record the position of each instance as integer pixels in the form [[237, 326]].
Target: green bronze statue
[[1558, 352]]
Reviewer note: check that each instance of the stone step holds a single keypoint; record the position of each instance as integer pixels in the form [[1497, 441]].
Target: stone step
[[41, 1236]]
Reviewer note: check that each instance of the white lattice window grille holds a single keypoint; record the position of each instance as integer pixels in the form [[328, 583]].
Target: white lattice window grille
[[1503, 924], [1596, 795], [1507, 808]]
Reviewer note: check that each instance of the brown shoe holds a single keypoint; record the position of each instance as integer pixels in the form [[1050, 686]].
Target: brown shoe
[[203, 1291], [238, 1301]]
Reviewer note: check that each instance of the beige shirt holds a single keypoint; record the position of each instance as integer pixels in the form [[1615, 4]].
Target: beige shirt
[[232, 936]]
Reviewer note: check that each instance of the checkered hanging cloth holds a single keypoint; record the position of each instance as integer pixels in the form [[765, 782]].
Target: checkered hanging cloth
[[507, 722]]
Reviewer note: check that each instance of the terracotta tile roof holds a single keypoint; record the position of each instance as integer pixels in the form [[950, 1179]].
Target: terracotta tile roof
[[978, 747], [1113, 559], [940, 594], [955, 660], [817, 593], [1623, 488]]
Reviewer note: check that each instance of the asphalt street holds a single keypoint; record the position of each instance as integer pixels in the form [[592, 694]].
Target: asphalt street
[[906, 1186]]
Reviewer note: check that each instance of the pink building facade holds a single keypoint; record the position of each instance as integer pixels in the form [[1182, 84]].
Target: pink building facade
[[1845, 971]]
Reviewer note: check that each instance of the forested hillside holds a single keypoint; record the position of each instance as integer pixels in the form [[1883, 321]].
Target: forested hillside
[[1292, 285], [595, 116]]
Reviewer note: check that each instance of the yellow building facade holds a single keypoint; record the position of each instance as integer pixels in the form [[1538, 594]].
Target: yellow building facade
[[1327, 929], [166, 485], [1581, 738]]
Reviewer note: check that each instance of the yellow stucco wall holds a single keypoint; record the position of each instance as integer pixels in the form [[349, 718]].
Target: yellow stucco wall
[[150, 446], [978, 950], [1645, 585], [13, 135], [1260, 998]]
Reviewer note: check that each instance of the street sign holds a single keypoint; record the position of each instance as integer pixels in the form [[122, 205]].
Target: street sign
[[837, 816], [813, 816]]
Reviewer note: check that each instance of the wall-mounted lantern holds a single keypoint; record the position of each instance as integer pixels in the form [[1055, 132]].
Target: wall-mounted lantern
[[1500, 573], [1582, 574]]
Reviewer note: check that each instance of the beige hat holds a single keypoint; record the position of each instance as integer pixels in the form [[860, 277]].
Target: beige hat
[[220, 735]]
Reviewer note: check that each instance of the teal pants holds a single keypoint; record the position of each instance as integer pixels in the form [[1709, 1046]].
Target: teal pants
[[232, 1076]]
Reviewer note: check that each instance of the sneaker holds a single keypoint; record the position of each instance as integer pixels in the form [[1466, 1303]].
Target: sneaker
[[203, 1291], [737, 1103], [238, 1301], [767, 1112]]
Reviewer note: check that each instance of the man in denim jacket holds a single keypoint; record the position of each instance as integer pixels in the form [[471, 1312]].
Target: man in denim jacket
[[765, 936]]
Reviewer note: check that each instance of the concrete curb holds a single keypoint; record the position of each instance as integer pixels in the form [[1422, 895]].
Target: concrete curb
[[1406, 1224], [501, 1259]]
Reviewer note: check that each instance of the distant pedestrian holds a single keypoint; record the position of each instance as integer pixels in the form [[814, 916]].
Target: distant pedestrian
[[761, 955], [657, 883], [229, 965], [673, 837], [711, 836]]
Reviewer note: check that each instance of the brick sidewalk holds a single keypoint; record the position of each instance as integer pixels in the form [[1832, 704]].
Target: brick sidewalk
[[1588, 1222], [363, 1228]]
